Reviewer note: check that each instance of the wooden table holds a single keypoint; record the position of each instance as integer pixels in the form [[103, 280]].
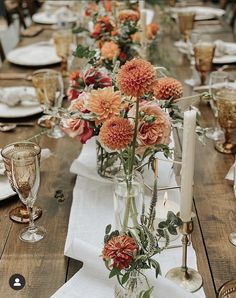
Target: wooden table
[[43, 264]]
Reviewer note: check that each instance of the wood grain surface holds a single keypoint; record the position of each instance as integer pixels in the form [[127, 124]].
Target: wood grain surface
[[44, 265]]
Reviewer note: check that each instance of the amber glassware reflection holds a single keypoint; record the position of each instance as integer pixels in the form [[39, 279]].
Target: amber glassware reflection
[[20, 214], [203, 54], [62, 41], [226, 104], [186, 21], [38, 83]]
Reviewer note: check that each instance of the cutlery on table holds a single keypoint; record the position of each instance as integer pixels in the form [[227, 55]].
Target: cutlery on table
[[15, 76], [11, 126]]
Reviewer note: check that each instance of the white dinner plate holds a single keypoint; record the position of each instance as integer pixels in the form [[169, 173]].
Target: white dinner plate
[[38, 54], [59, 3], [201, 13], [51, 19], [225, 59], [5, 188], [21, 110]]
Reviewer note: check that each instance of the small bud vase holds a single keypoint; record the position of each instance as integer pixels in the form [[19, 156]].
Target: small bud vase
[[136, 286]]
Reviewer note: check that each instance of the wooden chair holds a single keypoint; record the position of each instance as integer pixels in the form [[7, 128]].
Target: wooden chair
[[2, 53], [14, 7]]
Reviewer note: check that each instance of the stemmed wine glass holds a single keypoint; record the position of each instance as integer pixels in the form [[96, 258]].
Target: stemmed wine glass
[[204, 54], [20, 214], [26, 181], [53, 91], [62, 41], [226, 104], [186, 21], [217, 81]]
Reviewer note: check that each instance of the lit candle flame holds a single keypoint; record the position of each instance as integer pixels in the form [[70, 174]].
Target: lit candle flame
[[165, 197]]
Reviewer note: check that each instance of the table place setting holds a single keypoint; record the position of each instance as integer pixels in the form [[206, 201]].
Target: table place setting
[[51, 16], [38, 54], [17, 102]]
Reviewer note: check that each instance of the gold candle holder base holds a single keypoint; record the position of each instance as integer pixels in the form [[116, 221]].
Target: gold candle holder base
[[225, 148], [185, 277], [191, 280]]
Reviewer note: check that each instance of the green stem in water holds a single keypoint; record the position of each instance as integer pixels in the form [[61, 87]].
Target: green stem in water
[[130, 204]]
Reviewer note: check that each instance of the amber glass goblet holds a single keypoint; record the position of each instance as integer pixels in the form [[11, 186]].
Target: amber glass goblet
[[25, 172], [20, 213], [203, 54], [226, 105], [62, 41], [186, 21]]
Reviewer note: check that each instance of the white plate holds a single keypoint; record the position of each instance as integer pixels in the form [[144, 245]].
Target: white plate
[[50, 19], [5, 188], [225, 59], [38, 54], [59, 3], [19, 110], [202, 13]]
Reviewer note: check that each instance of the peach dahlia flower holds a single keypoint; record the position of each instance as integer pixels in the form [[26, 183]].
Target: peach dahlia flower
[[135, 78], [167, 88], [110, 50], [116, 133], [104, 103], [128, 15]]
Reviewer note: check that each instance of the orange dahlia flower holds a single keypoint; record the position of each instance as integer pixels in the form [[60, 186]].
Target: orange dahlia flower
[[135, 78], [104, 103], [167, 88], [116, 133], [110, 50], [128, 15], [120, 250], [151, 30]]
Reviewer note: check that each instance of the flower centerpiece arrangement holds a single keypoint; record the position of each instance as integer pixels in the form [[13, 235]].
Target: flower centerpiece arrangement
[[132, 121], [116, 36]]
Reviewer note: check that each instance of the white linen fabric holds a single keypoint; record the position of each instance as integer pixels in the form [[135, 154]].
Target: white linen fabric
[[91, 211], [225, 48]]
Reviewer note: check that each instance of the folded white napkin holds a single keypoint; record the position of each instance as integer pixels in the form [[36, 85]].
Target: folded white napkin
[[224, 48], [15, 96], [230, 174]]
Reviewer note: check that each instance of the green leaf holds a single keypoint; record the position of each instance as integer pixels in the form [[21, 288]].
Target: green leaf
[[108, 229], [172, 230], [125, 278], [114, 272]]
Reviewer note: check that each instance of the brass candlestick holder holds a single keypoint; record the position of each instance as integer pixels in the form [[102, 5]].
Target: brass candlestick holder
[[185, 277]]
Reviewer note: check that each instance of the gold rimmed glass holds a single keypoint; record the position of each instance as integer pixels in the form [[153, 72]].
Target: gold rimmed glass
[[203, 54], [53, 90], [218, 80], [20, 213], [226, 104], [62, 41], [186, 22], [26, 180]]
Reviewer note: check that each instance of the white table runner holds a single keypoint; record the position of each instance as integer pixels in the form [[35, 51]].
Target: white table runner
[[91, 211]]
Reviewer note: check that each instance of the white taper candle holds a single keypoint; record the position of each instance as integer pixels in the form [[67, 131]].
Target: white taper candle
[[143, 19], [141, 5], [187, 171]]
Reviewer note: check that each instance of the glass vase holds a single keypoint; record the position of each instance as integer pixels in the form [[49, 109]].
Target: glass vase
[[108, 163], [136, 286], [128, 199]]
